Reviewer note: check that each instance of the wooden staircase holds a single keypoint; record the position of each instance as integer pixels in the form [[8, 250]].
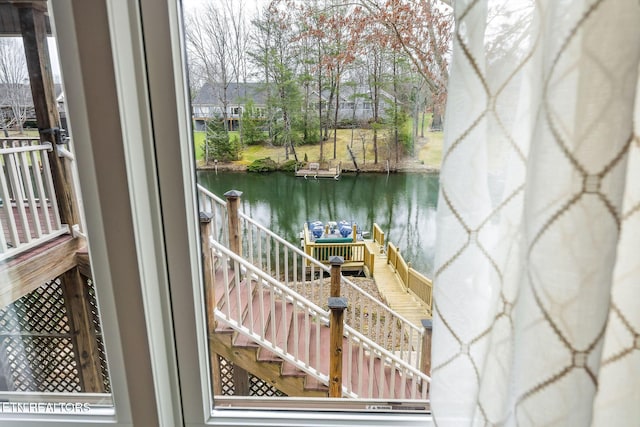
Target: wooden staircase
[[297, 332]]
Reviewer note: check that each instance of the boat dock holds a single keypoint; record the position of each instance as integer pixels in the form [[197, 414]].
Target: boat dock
[[394, 292], [403, 289], [313, 171]]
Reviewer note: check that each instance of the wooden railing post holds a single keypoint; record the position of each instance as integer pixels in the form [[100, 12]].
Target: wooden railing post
[[336, 276], [75, 292], [208, 274], [425, 362], [207, 268], [233, 206], [337, 306], [34, 36], [240, 376]]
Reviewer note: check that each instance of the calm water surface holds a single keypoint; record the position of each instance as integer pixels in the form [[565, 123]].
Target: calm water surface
[[403, 205]]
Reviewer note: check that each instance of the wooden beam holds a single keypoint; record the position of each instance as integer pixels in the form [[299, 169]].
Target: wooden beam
[[34, 36], [270, 372], [33, 269], [75, 291], [84, 263]]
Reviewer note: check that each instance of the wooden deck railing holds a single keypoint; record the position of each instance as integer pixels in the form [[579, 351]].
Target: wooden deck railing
[[304, 274], [28, 211], [323, 252], [411, 279], [267, 293], [378, 235]]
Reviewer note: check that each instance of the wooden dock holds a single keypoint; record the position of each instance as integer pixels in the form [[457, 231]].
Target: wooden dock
[[313, 171], [395, 295]]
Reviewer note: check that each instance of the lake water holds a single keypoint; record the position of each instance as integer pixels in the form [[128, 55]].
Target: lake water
[[402, 204]]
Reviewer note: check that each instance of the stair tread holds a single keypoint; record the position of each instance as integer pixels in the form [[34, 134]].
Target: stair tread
[[281, 308], [243, 340], [242, 290], [355, 379]]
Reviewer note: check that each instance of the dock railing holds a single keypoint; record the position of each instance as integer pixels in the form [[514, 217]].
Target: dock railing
[[411, 279], [378, 235], [351, 252], [29, 212]]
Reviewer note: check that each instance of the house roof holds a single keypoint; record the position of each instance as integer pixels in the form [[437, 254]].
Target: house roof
[[237, 94]]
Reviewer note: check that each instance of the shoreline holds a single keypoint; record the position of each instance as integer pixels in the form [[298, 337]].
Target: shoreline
[[404, 167]]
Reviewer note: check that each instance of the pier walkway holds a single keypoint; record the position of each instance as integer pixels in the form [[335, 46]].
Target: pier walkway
[[395, 295]]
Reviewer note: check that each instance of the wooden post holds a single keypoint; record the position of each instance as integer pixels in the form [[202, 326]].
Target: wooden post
[[207, 269], [336, 276], [425, 362], [354, 230], [233, 204], [240, 376], [208, 274], [34, 36], [85, 344], [337, 306]]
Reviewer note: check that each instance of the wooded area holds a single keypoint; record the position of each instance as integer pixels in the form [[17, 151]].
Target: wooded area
[[306, 55]]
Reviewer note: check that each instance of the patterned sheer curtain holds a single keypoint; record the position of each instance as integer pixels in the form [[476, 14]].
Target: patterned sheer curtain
[[537, 284]]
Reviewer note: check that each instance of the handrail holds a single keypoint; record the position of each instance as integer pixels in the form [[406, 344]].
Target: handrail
[[319, 316], [304, 274], [214, 205], [411, 279], [311, 313], [406, 370], [378, 235], [29, 212]]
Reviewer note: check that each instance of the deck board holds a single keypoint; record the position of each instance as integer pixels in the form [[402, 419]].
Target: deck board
[[32, 269], [20, 226]]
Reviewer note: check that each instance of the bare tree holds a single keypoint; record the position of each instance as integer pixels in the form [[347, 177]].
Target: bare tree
[[234, 11], [208, 35], [14, 93]]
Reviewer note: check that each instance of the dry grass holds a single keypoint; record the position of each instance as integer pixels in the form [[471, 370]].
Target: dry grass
[[428, 150]]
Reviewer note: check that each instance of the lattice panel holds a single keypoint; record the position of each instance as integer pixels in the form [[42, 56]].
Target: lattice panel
[[41, 312], [42, 363], [36, 344], [257, 387], [93, 302], [226, 376]]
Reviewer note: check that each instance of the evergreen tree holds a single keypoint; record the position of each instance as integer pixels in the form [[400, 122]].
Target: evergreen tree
[[218, 145], [252, 123]]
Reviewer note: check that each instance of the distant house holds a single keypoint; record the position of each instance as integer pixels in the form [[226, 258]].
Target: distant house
[[208, 103], [355, 103], [19, 96]]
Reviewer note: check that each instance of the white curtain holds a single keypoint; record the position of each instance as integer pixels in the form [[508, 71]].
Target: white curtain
[[537, 283]]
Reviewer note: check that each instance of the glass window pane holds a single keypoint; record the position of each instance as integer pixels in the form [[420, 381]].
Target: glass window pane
[[52, 352], [303, 276]]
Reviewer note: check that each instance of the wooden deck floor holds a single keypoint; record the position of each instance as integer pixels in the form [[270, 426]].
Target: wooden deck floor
[[41, 214], [392, 291], [318, 173]]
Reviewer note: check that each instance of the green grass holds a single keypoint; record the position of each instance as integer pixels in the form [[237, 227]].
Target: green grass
[[198, 141], [429, 152]]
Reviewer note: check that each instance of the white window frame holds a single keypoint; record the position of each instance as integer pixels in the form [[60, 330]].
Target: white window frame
[[128, 105]]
